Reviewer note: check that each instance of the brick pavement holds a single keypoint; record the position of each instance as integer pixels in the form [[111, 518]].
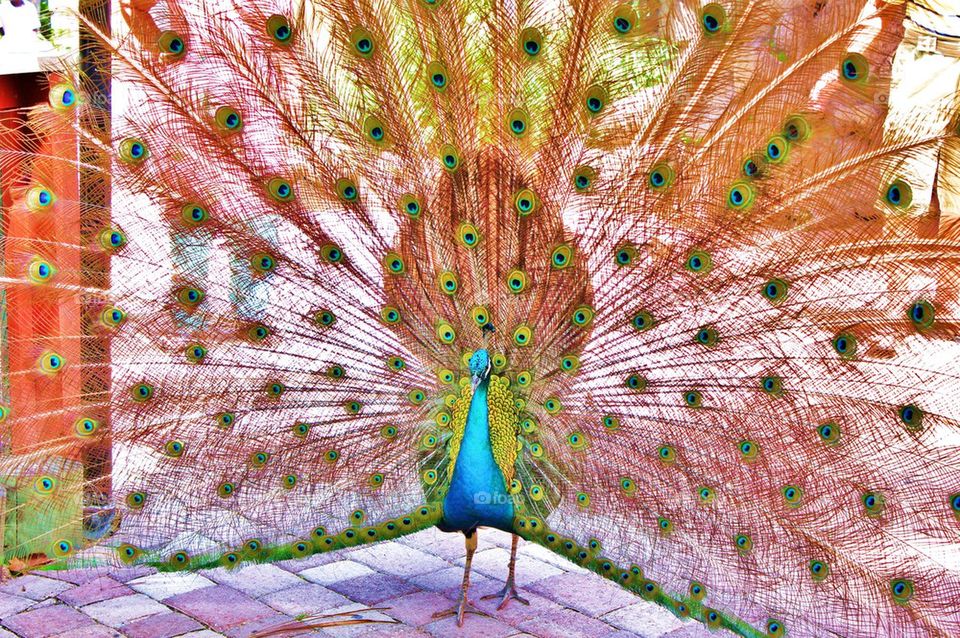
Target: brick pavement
[[411, 578]]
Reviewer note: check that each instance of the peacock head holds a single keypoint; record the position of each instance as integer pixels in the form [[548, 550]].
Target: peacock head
[[480, 367]]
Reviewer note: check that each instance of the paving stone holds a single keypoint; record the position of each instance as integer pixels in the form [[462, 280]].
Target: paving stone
[[219, 607], [515, 613], [448, 546], [74, 576], [7, 634], [34, 587], [10, 605], [307, 598], [160, 626], [495, 561], [543, 554], [335, 572], [474, 626], [586, 593], [691, 629], [126, 574], [354, 631], [91, 631], [254, 580], [297, 565], [565, 623], [389, 631], [397, 559], [644, 619], [119, 611], [48, 621], [94, 591], [417, 609], [373, 588], [203, 633], [446, 579], [163, 585], [266, 623]]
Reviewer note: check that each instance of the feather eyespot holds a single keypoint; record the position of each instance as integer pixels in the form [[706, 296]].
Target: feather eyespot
[[280, 190], [583, 178], [697, 591], [624, 17], [390, 315], [133, 150], [829, 433], [577, 441], [693, 399], [642, 321], [522, 336], [707, 336], [819, 570], [174, 449], [195, 353], [45, 485], [902, 590], [531, 42], [517, 122], [596, 99], [467, 235], [62, 97], [741, 196], [40, 198], [85, 427], [661, 176], [845, 344], [713, 19], [142, 392], [172, 44], [410, 205], [278, 28], [324, 318], [331, 253], [362, 42], [193, 215], [899, 195], [854, 68], [445, 333], [698, 262], [772, 386], [516, 281], [561, 257], [921, 314], [570, 364], [775, 291], [394, 264], [228, 119], [437, 75], [749, 451], [792, 495], [873, 504], [526, 202], [41, 271]]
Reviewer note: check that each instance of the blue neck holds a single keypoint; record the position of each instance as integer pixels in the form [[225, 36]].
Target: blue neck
[[478, 494]]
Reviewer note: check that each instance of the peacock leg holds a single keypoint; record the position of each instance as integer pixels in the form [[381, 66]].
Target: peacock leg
[[509, 591], [463, 603]]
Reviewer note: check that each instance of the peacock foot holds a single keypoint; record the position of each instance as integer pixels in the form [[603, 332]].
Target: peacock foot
[[463, 607], [508, 593]]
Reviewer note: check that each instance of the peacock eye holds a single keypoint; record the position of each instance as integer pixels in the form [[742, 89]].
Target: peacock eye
[[278, 28]]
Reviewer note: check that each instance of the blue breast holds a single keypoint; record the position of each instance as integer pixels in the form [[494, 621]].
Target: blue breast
[[478, 494]]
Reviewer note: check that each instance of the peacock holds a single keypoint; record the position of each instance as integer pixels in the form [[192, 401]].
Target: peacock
[[644, 283]]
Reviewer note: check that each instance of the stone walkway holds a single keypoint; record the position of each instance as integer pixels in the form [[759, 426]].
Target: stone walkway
[[411, 578]]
